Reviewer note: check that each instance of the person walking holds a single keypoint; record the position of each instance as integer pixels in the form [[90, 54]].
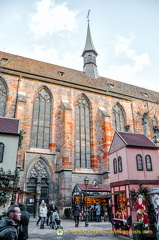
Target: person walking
[[43, 214], [9, 229], [24, 222], [48, 215], [76, 211], [52, 209], [98, 211]]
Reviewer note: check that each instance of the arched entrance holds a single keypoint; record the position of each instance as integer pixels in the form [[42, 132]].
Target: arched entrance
[[38, 181]]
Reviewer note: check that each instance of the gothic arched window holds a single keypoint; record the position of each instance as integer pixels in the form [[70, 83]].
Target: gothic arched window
[[139, 162], [120, 168], [115, 165], [82, 134], [119, 118], [3, 97], [148, 163], [41, 120]]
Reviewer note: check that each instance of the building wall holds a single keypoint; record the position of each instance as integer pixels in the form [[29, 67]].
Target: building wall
[[10, 152], [132, 167], [60, 156], [129, 165]]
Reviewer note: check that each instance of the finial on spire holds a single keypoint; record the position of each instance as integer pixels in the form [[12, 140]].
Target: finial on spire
[[88, 14]]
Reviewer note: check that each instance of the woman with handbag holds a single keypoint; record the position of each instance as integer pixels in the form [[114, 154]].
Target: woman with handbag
[[76, 212]]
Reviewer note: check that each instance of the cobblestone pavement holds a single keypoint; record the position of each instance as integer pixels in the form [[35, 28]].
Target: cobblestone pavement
[[101, 230]]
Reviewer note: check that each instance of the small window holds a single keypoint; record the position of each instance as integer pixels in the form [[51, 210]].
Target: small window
[[61, 73], [144, 94], [120, 164], [1, 151], [110, 85], [115, 165], [148, 163], [139, 162]]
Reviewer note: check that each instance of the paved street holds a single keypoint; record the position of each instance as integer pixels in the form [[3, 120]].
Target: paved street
[[101, 230]]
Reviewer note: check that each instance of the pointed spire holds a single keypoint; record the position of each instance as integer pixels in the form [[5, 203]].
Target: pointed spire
[[89, 46], [89, 43], [89, 54]]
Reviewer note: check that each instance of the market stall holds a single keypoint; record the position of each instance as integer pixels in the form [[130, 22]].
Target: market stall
[[95, 193], [133, 174]]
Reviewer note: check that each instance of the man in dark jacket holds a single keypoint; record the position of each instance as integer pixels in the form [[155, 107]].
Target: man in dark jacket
[[24, 222], [76, 211], [9, 224]]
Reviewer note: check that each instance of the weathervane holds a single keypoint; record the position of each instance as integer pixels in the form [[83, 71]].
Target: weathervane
[[88, 14]]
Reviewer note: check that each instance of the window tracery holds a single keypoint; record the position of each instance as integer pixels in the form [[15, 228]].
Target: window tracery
[[82, 134]]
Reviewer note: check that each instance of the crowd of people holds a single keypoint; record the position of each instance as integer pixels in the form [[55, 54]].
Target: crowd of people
[[46, 213], [96, 213], [15, 225], [99, 212]]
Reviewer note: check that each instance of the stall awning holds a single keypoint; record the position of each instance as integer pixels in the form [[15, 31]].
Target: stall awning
[[100, 188], [18, 191], [108, 195]]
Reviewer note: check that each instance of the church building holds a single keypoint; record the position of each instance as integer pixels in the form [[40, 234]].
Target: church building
[[68, 120]]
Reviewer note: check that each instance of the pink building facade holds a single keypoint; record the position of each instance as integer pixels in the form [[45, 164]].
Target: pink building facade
[[134, 160]]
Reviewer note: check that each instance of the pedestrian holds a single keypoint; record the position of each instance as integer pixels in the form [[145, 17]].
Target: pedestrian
[[52, 209], [39, 219], [24, 222], [9, 229], [110, 213], [48, 215], [98, 211], [91, 212], [43, 214], [76, 211]]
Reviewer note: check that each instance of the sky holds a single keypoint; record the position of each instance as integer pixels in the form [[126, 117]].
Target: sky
[[125, 34]]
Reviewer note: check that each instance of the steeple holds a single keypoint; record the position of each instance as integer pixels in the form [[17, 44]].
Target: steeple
[[89, 55]]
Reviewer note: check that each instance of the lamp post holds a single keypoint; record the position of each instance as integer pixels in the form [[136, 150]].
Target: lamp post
[[86, 182]]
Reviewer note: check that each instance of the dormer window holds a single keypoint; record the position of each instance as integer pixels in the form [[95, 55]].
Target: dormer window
[[144, 94], [61, 73], [4, 60], [110, 85]]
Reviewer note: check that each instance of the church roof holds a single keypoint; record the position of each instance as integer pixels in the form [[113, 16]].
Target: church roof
[[47, 72], [135, 140]]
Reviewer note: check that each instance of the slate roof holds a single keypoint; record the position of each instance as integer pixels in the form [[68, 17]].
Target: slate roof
[[101, 188], [89, 46], [9, 125], [125, 139], [43, 71]]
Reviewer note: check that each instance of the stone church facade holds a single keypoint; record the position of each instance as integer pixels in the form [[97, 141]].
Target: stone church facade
[[68, 119]]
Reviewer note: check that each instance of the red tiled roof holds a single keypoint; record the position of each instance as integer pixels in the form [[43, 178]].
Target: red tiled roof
[[27, 67], [100, 188], [9, 125], [138, 140]]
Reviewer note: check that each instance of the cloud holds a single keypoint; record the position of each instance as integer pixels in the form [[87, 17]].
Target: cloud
[[2, 35], [52, 55], [135, 62], [50, 18], [17, 16]]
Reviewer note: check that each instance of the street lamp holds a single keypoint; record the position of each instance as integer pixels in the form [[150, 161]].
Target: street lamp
[[86, 182]]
